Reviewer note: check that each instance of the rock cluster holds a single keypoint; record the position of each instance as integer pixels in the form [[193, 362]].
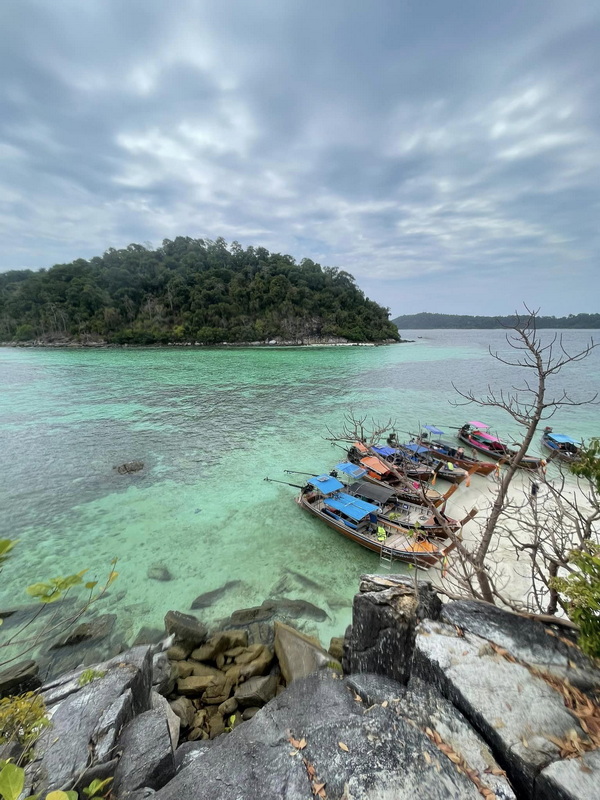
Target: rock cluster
[[461, 700], [222, 681]]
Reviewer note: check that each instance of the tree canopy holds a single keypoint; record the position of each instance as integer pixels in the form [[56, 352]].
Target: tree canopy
[[428, 321], [188, 290]]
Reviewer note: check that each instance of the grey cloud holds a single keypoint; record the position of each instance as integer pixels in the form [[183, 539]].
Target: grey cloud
[[416, 145]]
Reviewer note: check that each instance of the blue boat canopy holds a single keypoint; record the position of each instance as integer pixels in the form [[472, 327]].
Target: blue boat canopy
[[434, 430], [325, 484], [351, 506], [384, 451], [353, 470], [562, 438], [415, 448]]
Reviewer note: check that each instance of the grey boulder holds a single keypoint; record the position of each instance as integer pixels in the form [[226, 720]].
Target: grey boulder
[[147, 754]]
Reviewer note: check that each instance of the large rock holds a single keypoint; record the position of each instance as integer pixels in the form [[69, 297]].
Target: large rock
[[526, 640], [299, 655], [186, 628], [163, 679], [160, 703], [517, 713], [425, 707], [22, 677], [220, 642], [362, 755], [189, 752], [86, 720], [385, 614], [256, 691], [147, 758], [571, 779], [184, 709]]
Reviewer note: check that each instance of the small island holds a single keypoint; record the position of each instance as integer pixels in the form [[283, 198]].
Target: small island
[[189, 291]]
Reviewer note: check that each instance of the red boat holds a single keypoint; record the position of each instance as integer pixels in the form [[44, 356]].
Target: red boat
[[474, 434]]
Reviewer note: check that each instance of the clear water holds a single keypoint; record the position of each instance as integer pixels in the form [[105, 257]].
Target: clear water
[[209, 425]]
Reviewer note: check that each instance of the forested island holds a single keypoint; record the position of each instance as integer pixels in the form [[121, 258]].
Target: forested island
[[188, 290], [427, 321]]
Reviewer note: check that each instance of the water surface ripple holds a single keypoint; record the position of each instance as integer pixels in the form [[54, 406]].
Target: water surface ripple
[[209, 425]]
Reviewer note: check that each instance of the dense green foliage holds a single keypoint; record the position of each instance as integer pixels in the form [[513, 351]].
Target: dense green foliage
[[188, 290], [427, 321], [582, 591], [582, 587]]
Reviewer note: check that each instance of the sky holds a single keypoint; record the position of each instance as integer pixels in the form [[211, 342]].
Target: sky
[[446, 154]]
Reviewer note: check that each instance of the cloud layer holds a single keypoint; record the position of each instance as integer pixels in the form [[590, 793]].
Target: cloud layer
[[448, 155]]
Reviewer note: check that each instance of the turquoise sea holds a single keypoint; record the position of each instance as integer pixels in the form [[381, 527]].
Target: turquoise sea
[[210, 425]]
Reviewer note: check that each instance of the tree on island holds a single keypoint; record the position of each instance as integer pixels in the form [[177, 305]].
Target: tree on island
[[428, 321], [189, 290]]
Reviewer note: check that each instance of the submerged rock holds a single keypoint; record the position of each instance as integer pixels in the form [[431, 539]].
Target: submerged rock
[[159, 572], [129, 466], [21, 677], [208, 598], [93, 630]]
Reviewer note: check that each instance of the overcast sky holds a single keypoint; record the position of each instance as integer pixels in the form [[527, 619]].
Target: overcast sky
[[445, 153]]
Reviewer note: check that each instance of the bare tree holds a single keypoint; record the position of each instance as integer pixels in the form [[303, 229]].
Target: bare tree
[[528, 404]]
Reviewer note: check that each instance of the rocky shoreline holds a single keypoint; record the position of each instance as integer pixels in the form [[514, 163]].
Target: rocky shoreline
[[455, 700], [309, 341]]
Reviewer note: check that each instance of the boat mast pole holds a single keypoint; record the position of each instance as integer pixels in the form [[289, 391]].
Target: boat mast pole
[[274, 480]]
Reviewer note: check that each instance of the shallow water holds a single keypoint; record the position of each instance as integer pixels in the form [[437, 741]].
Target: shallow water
[[209, 425]]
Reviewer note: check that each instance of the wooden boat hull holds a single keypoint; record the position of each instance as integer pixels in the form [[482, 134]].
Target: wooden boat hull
[[528, 462], [424, 559], [558, 454], [481, 467]]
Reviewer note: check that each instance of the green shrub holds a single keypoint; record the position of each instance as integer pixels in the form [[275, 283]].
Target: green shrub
[[582, 590], [22, 718]]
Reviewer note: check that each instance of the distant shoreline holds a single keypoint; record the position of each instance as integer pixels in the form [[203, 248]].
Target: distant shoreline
[[96, 345], [425, 321]]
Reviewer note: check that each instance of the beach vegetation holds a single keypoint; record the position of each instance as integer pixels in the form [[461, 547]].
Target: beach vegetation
[[50, 620], [22, 719], [89, 675], [582, 591]]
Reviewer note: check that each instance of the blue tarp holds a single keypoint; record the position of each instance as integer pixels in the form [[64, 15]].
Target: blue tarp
[[384, 451], [415, 448], [351, 506], [325, 484], [562, 438], [434, 430], [350, 469]]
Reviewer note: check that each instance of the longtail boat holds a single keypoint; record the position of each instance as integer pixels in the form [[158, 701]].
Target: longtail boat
[[377, 464], [474, 434], [444, 469], [449, 452], [361, 522], [561, 446], [398, 510], [410, 491]]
